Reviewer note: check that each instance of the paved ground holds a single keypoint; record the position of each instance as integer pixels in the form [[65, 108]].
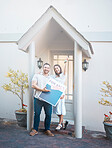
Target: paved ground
[[13, 136]]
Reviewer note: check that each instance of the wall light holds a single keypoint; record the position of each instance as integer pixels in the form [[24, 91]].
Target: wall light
[[85, 65], [39, 63]]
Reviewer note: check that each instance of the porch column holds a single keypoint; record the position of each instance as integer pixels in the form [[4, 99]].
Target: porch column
[[31, 73], [77, 105]]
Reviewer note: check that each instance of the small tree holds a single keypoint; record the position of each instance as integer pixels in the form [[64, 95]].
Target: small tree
[[18, 84], [106, 92]]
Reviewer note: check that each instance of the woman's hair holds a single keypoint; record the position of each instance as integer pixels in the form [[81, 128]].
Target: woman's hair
[[59, 67]]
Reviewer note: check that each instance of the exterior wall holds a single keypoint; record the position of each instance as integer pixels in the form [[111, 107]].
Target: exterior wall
[[81, 14], [11, 57], [100, 69]]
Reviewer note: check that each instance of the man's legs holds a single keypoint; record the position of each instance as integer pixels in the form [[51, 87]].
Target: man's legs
[[48, 112], [37, 110]]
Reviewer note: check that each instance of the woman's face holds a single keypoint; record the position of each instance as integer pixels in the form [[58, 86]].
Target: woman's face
[[57, 69]]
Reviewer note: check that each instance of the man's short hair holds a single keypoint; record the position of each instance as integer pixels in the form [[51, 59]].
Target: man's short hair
[[46, 64]]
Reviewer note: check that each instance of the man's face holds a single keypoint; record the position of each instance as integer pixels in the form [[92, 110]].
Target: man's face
[[57, 70], [46, 69]]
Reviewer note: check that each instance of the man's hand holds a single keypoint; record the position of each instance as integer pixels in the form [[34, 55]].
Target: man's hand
[[45, 90]]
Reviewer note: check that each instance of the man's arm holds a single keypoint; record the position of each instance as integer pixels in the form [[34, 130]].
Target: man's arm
[[35, 86]]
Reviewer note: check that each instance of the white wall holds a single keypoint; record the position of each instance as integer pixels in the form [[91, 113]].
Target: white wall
[[17, 16], [100, 69], [12, 57]]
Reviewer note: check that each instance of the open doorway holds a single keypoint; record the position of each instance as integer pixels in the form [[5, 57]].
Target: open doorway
[[59, 58]]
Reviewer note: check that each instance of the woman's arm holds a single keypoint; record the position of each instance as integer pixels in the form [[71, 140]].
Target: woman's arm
[[62, 97], [65, 67]]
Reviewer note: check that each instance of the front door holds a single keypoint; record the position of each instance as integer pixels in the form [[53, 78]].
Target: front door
[[59, 59]]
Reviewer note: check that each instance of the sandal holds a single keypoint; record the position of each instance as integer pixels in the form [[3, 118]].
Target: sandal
[[33, 132], [65, 126], [58, 127]]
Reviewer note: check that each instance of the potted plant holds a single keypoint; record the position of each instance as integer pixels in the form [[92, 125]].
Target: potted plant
[[18, 84], [107, 93]]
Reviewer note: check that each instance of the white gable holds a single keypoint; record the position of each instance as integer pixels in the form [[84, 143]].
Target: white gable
[[50, 14]]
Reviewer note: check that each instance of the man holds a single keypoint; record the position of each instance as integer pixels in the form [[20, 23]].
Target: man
[[38, 83]]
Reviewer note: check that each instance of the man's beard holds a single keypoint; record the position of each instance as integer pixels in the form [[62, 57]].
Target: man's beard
[[46, 72]]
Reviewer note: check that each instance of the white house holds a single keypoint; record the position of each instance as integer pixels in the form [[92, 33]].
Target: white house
[[52, 38]]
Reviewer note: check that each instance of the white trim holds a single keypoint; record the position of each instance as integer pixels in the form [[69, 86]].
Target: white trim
[[8, 42], [25, 40], [101, 41]]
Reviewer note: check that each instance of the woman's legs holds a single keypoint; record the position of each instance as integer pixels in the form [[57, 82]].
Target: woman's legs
[[60, 122], [60, 119]]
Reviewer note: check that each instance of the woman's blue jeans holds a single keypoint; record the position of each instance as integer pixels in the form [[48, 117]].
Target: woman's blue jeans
[[38, 104]]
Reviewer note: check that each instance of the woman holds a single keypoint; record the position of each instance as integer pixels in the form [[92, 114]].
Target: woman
[[60, 107]]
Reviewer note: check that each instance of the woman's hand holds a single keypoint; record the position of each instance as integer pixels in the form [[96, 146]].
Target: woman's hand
[[62, 97], [65, 66], [45, 90]]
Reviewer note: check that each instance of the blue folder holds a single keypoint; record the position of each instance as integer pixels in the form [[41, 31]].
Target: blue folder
[[51, 97]]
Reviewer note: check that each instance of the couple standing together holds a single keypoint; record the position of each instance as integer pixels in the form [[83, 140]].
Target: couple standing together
[[38, 83]]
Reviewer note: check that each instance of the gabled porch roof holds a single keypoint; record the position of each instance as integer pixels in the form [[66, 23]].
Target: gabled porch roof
[[50, 14]]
